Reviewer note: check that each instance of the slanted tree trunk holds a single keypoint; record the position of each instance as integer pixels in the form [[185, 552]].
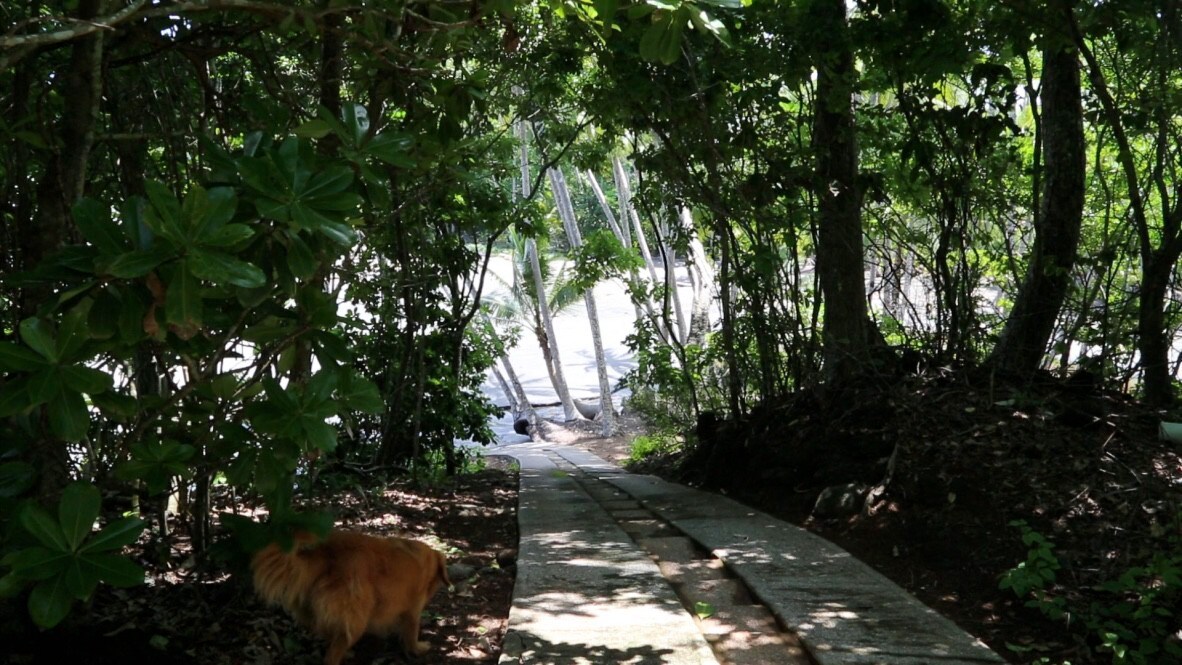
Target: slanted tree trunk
[[703, 277], [643, 306], [566, 212], [839, 246], [1023, 342], [550, 344]]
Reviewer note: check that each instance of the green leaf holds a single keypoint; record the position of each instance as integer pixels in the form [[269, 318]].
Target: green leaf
[[168, 211], [313, 129], [300, 259], [68, 417], [221, 268], [16, 478], [77, 511], [131, 317], [360, 394], [135, 264], [279, 396], [41, 525], [320, 387], [116, 535], [703, 610], [229, 235], [46, 385], [37, 335], [320, 434], [183, 307], [662, 40], [341, 234], [50, 602], [80, 580], [38, 563], [391, 148], [120, 407], [73, 333], [10, 585], [86, 380], [116, 570], [14, 397], [329, 181], [221, 205], [94, 221], [16, 358]]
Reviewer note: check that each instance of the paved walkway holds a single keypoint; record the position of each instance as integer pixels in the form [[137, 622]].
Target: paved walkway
[[621, 568]]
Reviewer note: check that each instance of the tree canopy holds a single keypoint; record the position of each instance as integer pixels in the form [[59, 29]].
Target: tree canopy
[[247, 240]]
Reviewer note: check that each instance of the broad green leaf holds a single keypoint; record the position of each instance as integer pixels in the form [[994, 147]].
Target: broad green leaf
[[320, 387], [359, 393], [167, 211], [77, 511], [320, 434], [68, 417], [330, 181], [391, 148], [300, 259], [10, 585], [94, 221], [41, 525], [662, 40], [221, 205], [116, 570], [183, 306], [279, 396], [16, 358], [103, 320], [313, 129], [38, 563], [46, 385], [120, 407], [132, 311], [228, 236], [221, 268], [80, 580], [86, 380], [14, 397], [50, 602], [37, 335], [73, 333], [16, 478], [136, 264], [116, 535], [341, 234]]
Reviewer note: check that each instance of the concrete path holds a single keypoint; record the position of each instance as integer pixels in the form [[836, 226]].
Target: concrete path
[[587, 592]]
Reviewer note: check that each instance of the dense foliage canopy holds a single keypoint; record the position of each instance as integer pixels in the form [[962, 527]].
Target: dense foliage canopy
[[244, 242]]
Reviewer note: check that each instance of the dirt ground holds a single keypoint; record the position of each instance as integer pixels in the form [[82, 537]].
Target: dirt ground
[[954, 459], [184, 615]]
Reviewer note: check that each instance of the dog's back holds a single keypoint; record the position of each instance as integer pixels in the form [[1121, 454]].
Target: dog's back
[[350, 584]]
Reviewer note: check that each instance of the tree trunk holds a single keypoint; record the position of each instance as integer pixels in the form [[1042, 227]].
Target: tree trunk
[[1057, 229], [839, 247], [60, 188], [607, 412], [699, 265], [1153, 342]]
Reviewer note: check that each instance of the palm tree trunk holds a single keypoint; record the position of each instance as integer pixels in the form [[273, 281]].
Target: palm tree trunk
[[607, 412]]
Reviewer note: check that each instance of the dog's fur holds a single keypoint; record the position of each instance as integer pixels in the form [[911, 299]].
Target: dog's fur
[[350, 584]]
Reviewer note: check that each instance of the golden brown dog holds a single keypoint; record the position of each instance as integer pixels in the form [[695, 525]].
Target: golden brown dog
[[350, 584]]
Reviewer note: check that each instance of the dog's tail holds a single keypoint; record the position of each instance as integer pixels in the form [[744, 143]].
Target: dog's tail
[[283, 577]]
